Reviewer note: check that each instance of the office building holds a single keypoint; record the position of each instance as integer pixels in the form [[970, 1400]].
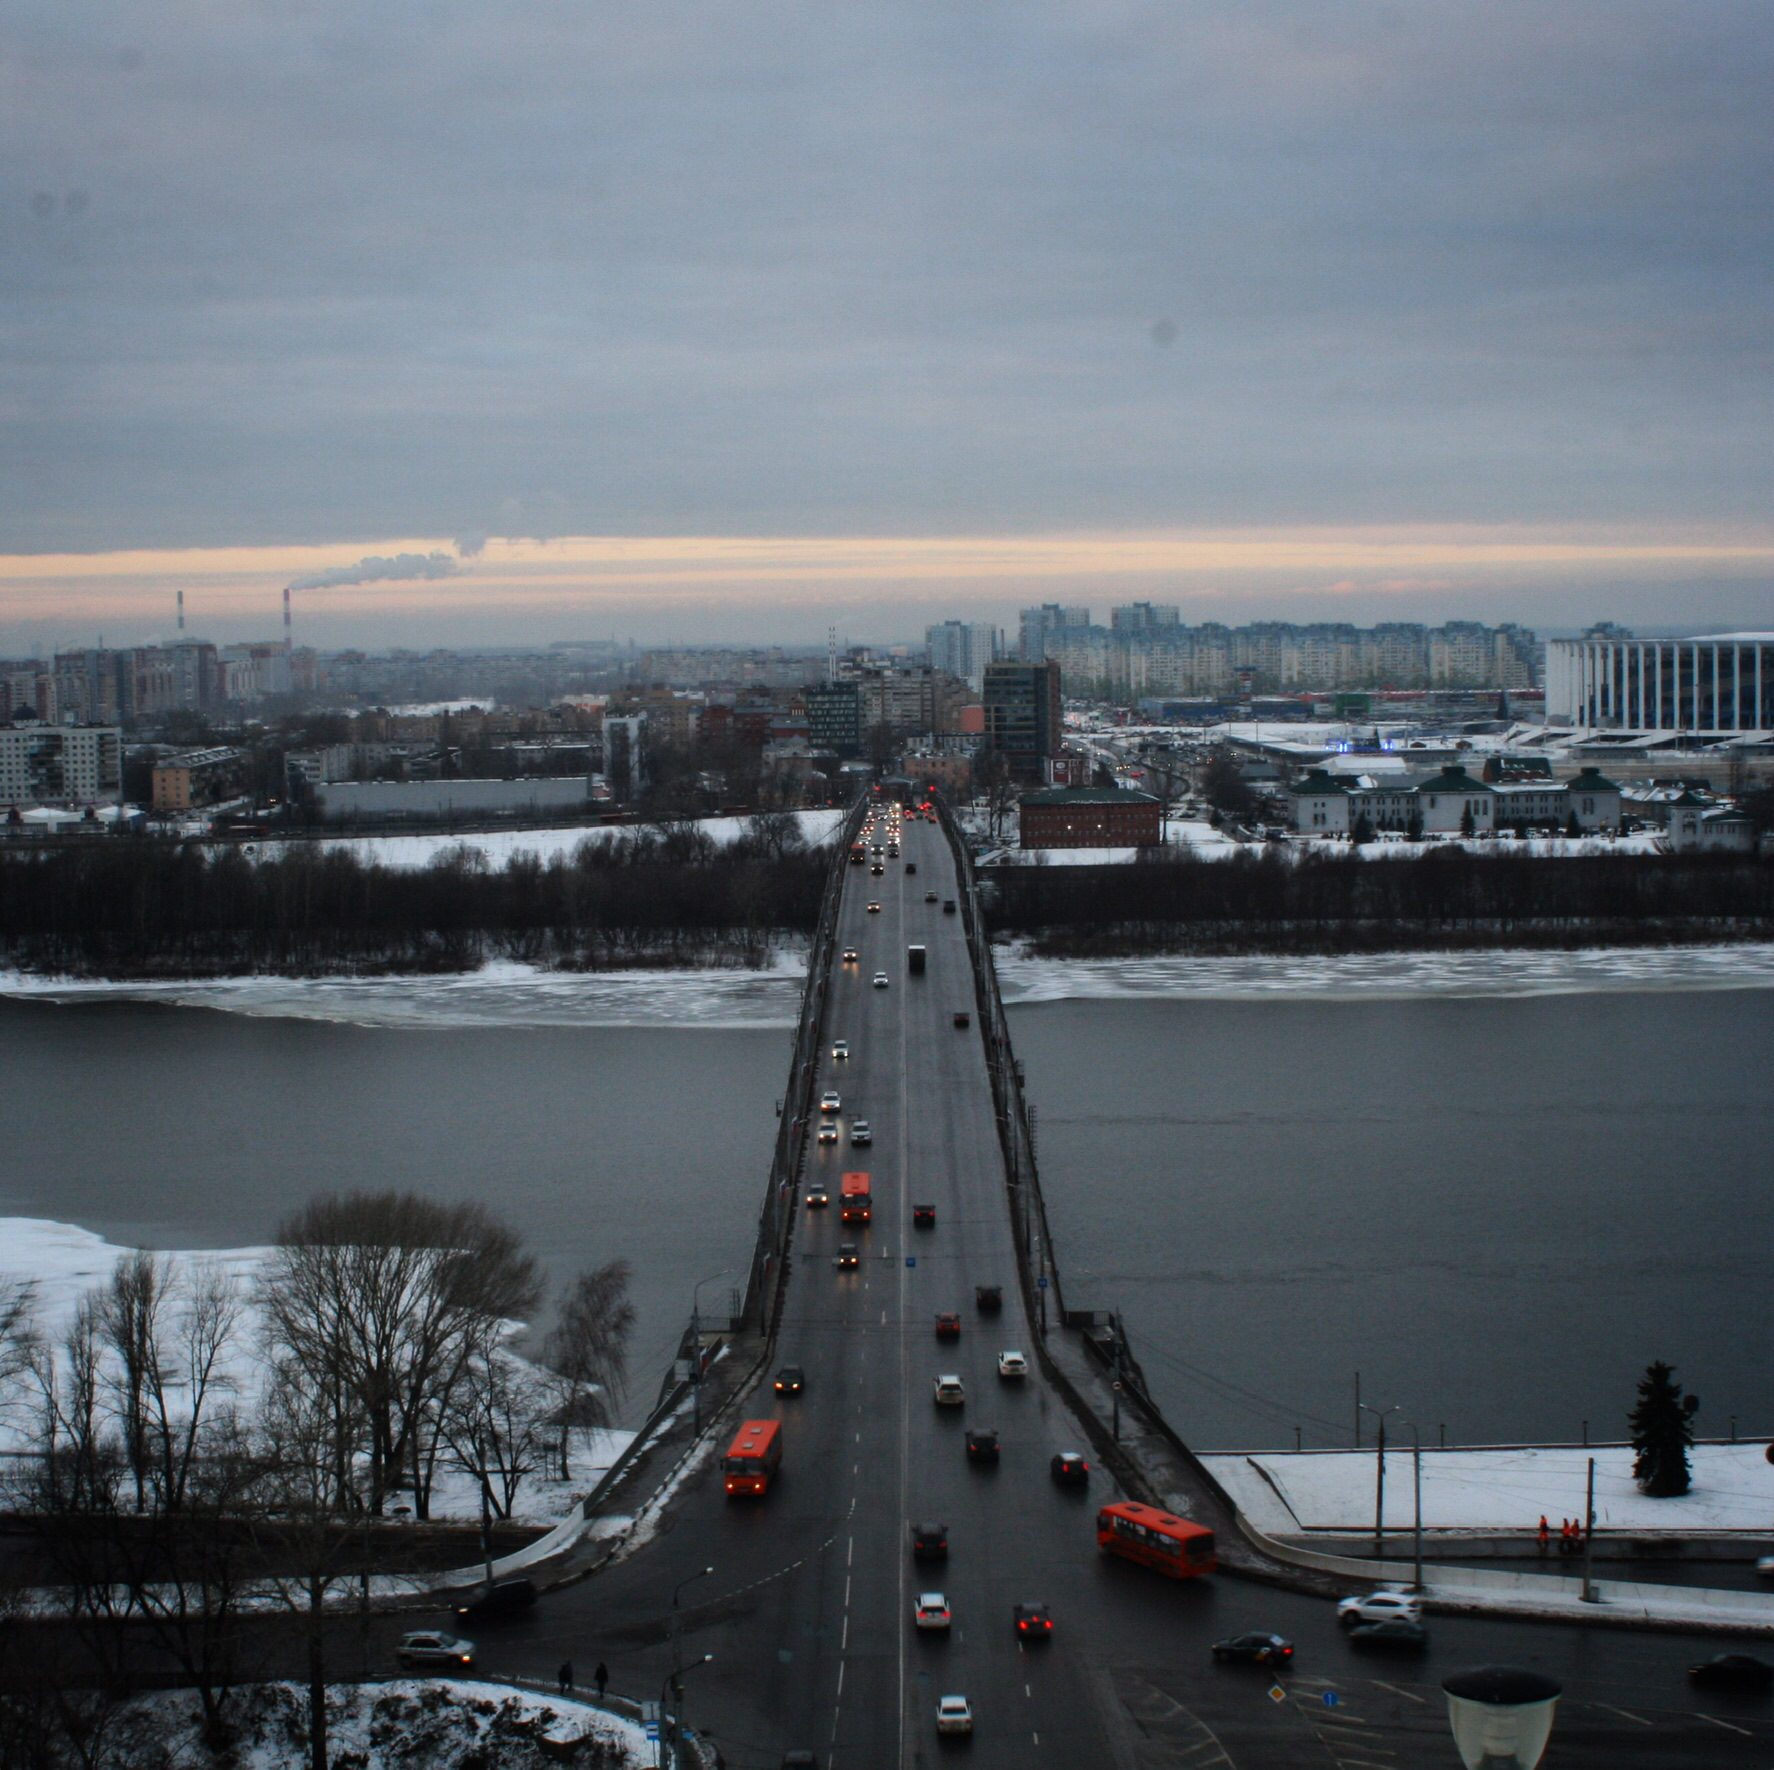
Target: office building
[[1022, 715]]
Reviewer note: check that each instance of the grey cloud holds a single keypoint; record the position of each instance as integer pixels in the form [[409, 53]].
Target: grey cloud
[[380, 568]]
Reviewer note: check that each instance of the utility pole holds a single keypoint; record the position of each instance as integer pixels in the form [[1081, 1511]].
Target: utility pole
[[1115, 1320], [1358, 1410], [1379, 1414], [1589, 1596]]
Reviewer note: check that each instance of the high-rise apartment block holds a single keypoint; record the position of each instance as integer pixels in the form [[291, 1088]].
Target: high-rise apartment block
[[963, 649], [1041, 626]]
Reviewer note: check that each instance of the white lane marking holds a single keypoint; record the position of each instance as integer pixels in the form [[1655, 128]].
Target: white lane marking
[[1409, 1696], [859, 1438], [1728, 1726], [1036, 1737], [841, 1665], [1624, 1713], [846, 1591], [844, 1637], [1027, 1691], [850, 1554]]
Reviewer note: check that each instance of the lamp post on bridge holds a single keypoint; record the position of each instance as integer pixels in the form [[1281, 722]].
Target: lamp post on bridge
[[696, 1345], [1379, 1414]]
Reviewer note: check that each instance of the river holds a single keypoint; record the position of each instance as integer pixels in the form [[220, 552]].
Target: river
[[1496, 1206]]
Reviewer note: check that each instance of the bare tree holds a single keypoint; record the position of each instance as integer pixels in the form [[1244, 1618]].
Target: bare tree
[[387, 1300], [588, 1350], [775, 833], [494, 1428]]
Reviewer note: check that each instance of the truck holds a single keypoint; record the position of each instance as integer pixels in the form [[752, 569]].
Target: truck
[[914, 958]]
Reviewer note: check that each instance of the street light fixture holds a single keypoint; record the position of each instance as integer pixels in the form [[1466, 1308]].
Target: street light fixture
[[1501, 1718], [674, 1687], [1417, 1493], [673, 1684]]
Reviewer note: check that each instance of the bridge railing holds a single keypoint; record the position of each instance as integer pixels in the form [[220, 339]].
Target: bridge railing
[[776, 1220]]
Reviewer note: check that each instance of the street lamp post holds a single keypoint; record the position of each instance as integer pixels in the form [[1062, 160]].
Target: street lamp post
[[696, 1344], [1417, 1494], [1379, 1414], [673, 1688], [672, 1682]]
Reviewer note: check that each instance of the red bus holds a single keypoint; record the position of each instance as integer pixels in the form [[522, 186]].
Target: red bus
[[1156, 1539], [854, 1199], [753, 1457], [856, 854]]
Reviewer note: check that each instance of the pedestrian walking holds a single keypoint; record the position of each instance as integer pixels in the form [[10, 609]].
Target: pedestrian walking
[[1545, 1533], [602, 1677], [566, 1677]]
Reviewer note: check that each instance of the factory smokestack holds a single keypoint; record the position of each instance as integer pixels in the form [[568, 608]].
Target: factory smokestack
[[181, 611], [286, 618]]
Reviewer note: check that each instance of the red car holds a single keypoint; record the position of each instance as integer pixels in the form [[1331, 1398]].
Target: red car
[[948, 1325]]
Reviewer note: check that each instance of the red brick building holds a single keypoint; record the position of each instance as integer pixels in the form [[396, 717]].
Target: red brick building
[[1089, 817]]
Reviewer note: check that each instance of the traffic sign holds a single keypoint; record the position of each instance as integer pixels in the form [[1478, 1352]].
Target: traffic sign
[[911, 1259], [1277, 1694], [1331, 1699], [1041, 1282]]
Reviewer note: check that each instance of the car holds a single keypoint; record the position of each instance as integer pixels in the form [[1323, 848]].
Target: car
[[431, 1647], [950, 1392], [501, 1601], [874, 909], [911, 866], [988, 1298], [830, 1101], [850, 955], [948, 906], [818, 1198], [954, 1714], [881, 980], [1012, 1366], [930, 1542], [1256, 1649], [1765, 1566], [1380, 1605], [1070, 1469], [931, 1611], [963, 1019], [790, 1380], [1394, 1631], [828, 1132], [840, 1051], [930, 897], [982, 1446], [800, 1761], [848, 1258], [877, 869], [1733, 1671], [948, 1325], [860, 1132], [1032, 1622], [893, 851], [923, 1216]]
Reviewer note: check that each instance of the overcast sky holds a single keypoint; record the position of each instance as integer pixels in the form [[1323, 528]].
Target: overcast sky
[[324, 274]]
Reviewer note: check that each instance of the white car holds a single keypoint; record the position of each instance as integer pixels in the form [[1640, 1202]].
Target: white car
[[829, 1101], [1012, 1366], [860, 1132], [430, 1647], [1765, 1566], [931, 1611], [880, 980], [953, 1715], [1386, 1605], [828, 1132], [949, 1391], [840, 1050]]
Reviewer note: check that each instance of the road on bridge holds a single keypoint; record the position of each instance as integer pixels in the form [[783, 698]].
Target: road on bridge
[[808, 1614]]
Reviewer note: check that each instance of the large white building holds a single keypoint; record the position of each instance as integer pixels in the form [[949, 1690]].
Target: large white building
[[963, 648], [60, 765], [1716, 684]]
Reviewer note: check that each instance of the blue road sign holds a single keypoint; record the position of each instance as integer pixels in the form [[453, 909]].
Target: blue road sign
[[911, 1259], [1041, 1282], [1331, 1699]]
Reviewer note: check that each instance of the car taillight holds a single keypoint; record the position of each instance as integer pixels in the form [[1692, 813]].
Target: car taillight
[[1287, 1653]]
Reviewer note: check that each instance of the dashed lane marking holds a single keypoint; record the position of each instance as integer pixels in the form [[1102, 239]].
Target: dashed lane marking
[[1729, 1726], [1408, 1695], [1625, 1714]]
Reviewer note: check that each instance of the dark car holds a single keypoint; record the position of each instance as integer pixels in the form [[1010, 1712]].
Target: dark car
[[800, 1761], [1070, 1469], [948, 1325], [1255, 1649], [948, 906], [982, 1447], [848, 1257], [790, 1380], [923, 1216], [911, 866], [1032, 1622], [817, 1195], [499, 1602], [930, 1542], [989, 1298], [1404, 1634], [1733, 1671], [877, 869], [962, 1018]]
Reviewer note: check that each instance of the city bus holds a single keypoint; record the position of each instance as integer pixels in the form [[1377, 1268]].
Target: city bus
[[855, 1205], [753, 1457], [1156, 1539], [856, 854]]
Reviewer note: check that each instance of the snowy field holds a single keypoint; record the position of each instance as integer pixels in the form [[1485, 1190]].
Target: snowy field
[[446, 1724], [64, 1262], [405, 853], [1289, 1493]]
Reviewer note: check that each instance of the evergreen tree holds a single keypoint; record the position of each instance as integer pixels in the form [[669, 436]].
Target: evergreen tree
[[1661, 1433]]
